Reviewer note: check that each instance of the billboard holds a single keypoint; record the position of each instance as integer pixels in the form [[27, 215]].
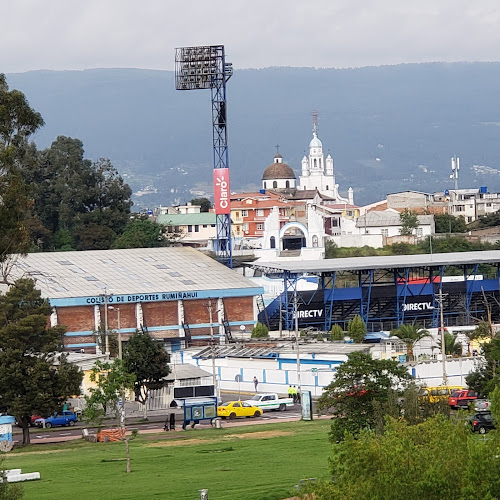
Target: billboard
[[222, 203]]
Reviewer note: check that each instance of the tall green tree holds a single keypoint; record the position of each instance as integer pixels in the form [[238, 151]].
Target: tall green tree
[[356, 328], [359, 383], [35, 376], [72, 195], [18, 121], [147, 360]]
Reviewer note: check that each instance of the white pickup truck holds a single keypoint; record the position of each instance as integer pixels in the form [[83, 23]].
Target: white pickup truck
[[270, 401]]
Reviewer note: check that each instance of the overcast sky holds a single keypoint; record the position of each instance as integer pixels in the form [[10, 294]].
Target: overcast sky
[[78, 34]]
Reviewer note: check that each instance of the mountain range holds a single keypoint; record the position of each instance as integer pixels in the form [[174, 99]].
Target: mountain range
[[389, 128]]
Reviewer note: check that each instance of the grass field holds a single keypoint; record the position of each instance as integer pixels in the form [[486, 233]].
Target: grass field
[[258, 462]]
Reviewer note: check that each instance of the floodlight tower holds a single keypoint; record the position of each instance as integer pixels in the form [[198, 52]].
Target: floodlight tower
[[205, 67]]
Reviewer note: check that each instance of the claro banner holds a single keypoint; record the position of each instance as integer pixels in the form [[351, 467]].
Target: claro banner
[[221, 191]]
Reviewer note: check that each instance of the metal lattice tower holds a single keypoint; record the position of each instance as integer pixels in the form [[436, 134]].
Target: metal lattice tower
[[205, 67]]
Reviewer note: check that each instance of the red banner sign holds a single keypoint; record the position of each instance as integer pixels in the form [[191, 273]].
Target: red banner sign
[[221, 191]]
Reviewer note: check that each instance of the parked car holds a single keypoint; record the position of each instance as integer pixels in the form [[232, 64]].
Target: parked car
[[481, 422], [461, 399], [64, 418], [235, 409]]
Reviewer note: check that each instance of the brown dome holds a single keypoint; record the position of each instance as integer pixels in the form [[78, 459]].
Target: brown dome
[[278, 171]]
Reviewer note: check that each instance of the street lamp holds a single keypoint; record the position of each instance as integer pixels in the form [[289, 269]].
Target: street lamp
[[297, 344], [120, 351]]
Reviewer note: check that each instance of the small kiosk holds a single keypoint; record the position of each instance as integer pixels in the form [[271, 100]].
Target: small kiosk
[[6, 443], [196, 410]]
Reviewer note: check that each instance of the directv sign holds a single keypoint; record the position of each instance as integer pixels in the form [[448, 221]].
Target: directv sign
[[419, 305]]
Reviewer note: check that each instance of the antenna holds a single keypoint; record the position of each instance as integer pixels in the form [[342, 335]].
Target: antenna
[[455, 167], [315, 122]]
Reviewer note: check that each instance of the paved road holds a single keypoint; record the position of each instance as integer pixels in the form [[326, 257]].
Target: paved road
[[57, 434]]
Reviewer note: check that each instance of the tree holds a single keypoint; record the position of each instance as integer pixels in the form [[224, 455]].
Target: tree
[[356, 328], [410, 335], [358, 384], [486, 376], [409, 222], [446, 223], [337, 333], [111, 381], [204, 203], [260, 331], [141, 232], [18, 121], [71, 193], [35, 377], [147, 360], [438, 459]]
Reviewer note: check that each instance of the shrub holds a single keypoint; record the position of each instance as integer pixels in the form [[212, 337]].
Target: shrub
[[260, 331]]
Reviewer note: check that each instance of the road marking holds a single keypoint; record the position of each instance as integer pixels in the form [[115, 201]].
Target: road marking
[[41, 437], [65, 433]]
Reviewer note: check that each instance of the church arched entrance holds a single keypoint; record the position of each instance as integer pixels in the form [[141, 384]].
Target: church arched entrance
[[293, 236]]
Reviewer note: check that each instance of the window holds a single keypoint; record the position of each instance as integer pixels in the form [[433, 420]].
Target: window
[[275, 184], [197, 228], [260, 212], [420, 231], [244, 213], [190, 229], [385, 232], [265, 185], [245, 226], [287, 184], [273, 242], [260, 226]]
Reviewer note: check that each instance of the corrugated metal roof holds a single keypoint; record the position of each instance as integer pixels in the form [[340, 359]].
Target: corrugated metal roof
[[187, 219], [380, 262], [184, 371], [131, 271]]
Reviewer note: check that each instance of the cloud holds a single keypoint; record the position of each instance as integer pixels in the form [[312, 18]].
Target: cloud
[[71, 34]]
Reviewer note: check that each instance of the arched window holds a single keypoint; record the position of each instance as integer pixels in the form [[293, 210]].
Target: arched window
[[265, 185], [315, 241], [287, 184], [326, 187], [275, 184], [315, 163], [273, 242]]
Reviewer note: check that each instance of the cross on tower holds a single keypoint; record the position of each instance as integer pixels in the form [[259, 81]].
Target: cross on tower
[[315, 122], [277, 146]]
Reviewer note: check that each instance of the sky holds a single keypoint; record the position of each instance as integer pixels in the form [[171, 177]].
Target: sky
[[80, 34]]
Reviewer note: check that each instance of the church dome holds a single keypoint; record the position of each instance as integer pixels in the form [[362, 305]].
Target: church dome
[[315, 142], [278, 171]]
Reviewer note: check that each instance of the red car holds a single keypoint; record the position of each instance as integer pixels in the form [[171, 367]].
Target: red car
[[461, 399]]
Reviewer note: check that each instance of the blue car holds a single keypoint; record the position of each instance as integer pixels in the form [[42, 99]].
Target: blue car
[[65, 418]]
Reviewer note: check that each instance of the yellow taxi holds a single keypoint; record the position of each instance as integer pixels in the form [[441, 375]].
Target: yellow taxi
[[235, 409]]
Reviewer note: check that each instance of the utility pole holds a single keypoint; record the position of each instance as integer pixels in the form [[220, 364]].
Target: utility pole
[[106, 338], [440, 300], [297, 345], [212, 355]]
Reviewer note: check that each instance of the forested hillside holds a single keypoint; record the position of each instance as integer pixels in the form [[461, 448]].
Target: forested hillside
[[388, 128]]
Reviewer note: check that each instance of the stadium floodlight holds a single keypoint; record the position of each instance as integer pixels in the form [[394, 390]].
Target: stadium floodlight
[[205, 67]]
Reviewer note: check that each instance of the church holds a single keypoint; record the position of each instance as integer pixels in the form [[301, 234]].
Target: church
[[317, 175]]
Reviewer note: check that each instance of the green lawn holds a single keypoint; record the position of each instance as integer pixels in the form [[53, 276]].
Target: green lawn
[[249, 463]]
